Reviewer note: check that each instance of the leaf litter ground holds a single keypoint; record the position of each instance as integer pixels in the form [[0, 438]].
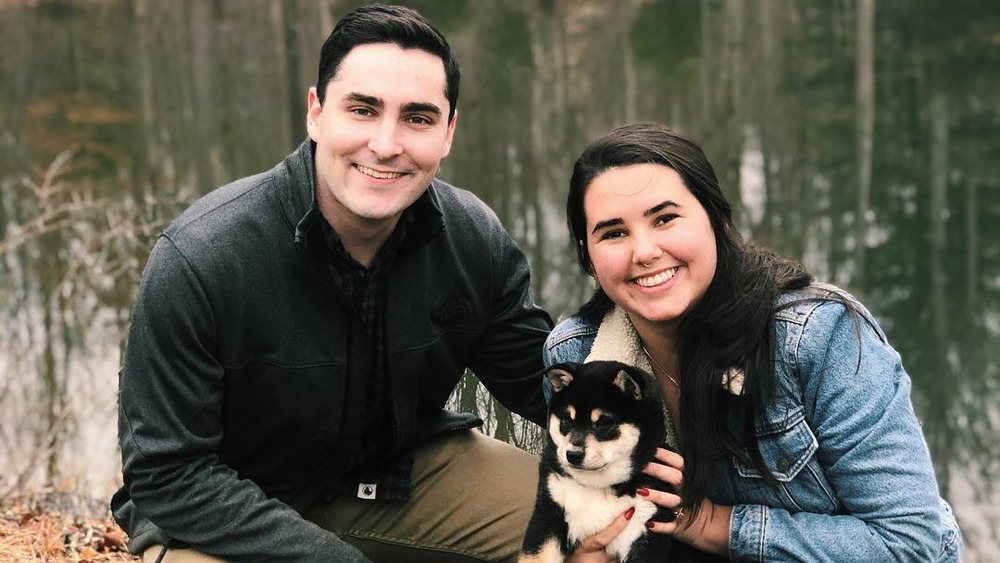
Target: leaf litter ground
[[36, 528]]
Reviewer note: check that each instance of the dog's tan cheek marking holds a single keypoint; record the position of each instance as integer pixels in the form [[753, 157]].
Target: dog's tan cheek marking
[[571, 412]]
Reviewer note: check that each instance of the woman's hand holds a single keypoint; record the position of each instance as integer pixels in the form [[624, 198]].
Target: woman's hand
[[668, 467], [709, 531], [591, 550]]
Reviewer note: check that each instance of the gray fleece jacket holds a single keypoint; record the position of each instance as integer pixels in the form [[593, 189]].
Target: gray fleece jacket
[[232, 387]]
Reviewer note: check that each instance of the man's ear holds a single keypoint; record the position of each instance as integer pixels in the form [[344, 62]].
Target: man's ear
[[450, 134], [314, 110]]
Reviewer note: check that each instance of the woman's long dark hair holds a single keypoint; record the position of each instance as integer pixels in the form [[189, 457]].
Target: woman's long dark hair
[[731, 326]]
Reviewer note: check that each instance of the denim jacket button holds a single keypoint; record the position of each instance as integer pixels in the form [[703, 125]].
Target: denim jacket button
[[783, 464]]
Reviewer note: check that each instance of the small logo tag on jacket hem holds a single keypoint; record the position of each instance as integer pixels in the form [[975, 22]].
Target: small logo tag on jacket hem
[[367, 490]]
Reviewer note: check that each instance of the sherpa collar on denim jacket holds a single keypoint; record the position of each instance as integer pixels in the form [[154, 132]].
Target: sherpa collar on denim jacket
[[618, 340]]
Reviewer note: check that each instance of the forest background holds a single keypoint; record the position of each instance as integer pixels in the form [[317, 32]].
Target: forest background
[[859, 137]]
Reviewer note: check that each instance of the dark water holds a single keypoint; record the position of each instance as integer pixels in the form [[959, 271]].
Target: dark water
[[860, 138]]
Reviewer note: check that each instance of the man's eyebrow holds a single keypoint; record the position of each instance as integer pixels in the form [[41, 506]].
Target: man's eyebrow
[[411, 107], [364, 99], [422, 107]]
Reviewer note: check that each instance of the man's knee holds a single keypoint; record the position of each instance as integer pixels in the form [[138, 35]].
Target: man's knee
[[471, 495]]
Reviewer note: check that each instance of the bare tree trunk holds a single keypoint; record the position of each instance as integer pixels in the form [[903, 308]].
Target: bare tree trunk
[[505, 423], [972, 250], [468, 391], [732, 117], [865, 124], [735, 48], [154, 154], [706, 74], [49, 399], [200, 14], [941, 443], [326, 20], [937, 209], [285, 18], [630, 94]]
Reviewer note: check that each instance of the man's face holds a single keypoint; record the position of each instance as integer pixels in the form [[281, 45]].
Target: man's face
[[380, 135]]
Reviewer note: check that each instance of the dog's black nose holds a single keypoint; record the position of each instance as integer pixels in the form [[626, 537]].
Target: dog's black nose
[[574, 457]]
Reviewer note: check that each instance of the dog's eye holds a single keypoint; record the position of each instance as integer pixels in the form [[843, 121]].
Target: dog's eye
[[564, 425], [606, 428], [604, 423]]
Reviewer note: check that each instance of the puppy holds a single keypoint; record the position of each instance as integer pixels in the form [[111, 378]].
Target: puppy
[[606, 420]]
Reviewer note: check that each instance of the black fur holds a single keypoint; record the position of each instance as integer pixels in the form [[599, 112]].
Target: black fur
[[626, 396]]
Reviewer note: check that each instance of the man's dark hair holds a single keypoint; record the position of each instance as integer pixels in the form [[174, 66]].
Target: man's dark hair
[[381, 23]]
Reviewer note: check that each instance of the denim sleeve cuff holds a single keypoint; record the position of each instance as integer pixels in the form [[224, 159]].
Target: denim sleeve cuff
[[746, 532]]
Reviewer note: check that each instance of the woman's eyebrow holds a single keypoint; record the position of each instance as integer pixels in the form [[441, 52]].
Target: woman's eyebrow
[[607, 223], [651, 211], [660, 207]]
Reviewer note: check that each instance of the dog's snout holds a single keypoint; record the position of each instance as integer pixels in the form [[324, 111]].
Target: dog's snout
[[574, 457]]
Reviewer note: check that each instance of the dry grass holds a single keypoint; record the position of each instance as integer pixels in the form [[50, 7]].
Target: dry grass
[[29, 533]]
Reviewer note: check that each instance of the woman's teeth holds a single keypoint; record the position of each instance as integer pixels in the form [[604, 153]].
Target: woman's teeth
[[652, 281]]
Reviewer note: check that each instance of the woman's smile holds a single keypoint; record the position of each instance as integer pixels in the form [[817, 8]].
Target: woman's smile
[[657, 279]]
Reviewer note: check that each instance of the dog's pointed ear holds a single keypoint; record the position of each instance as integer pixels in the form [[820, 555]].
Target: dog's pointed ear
[[559, 377], [628, 385]]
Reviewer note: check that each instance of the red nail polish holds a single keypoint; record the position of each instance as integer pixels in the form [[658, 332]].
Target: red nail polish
[[629, 513], [650, 524], [642, 492]]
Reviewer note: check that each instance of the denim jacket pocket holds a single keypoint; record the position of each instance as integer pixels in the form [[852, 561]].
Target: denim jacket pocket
[[788, 448]]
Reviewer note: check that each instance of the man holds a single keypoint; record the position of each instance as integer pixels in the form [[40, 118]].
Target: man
[[297, 333]]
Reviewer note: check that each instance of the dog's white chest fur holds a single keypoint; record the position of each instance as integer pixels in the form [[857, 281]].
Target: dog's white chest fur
[[590, 510]]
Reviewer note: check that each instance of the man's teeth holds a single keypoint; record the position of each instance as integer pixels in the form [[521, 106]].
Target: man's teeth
[[651, 281], [379, 175]]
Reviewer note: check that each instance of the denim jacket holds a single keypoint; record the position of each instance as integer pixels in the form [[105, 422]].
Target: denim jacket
[[839, 434]]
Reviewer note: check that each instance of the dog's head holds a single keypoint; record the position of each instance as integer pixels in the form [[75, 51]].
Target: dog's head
[[605, 419]]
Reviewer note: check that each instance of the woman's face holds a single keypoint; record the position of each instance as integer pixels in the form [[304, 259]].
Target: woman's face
[[650, 241]]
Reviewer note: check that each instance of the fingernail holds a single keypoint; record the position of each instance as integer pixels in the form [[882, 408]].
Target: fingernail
[[643, 492], [629, 513], [650, 524]]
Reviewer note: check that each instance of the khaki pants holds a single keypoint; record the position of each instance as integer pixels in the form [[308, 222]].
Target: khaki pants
[[471, 499]]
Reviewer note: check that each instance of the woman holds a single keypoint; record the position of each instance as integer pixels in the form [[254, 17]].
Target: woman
[[790, 411]]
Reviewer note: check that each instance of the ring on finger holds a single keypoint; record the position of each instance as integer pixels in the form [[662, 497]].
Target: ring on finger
[[678, 513]]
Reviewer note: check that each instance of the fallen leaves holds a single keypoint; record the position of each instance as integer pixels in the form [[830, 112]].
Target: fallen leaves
[[33, 535]]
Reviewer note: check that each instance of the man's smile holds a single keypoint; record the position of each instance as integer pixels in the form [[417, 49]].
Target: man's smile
[[377, 174]]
